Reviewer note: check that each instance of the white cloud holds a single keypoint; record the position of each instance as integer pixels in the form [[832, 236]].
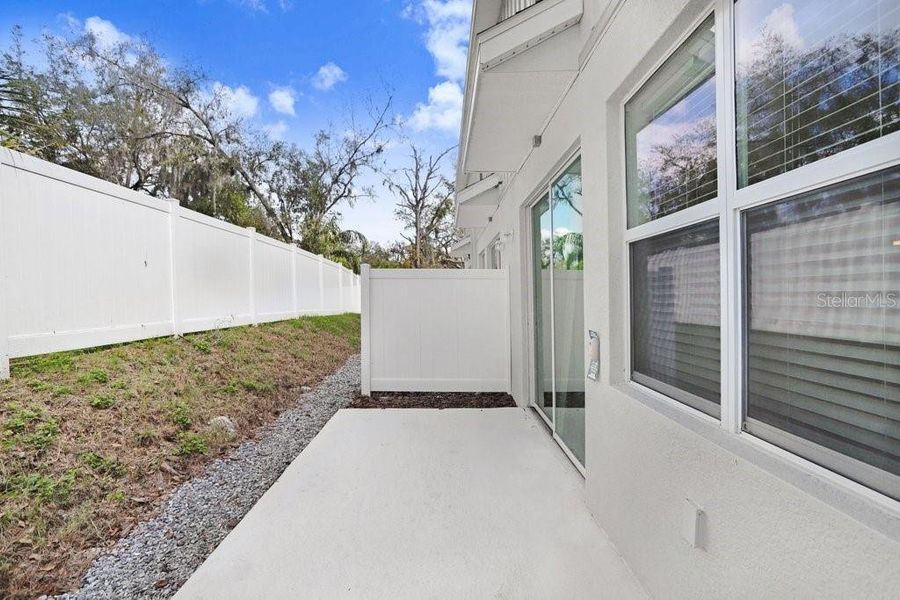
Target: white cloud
[[276, 131], [443, 110], [447, 40], [239, 102], [448, 33], [262, 6], [282, 100], [328, 76], [107, 35]]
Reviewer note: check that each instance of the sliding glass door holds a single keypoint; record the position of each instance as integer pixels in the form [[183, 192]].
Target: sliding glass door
[[558, 261]]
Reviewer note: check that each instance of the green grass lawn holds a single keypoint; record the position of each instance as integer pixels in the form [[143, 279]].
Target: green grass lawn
[[92, 441]]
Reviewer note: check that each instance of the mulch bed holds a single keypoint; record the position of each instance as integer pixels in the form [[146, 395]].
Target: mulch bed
[[434, 400]]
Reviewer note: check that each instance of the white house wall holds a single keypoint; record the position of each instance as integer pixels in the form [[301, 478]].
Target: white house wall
[[773, 528]]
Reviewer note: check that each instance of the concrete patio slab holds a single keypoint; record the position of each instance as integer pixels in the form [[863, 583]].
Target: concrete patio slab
[[420, 504]]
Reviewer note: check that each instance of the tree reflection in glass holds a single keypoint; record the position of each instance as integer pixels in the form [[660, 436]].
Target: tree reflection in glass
[[670, 128], [814, 78]]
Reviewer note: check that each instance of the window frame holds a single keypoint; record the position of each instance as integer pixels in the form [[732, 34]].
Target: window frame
[[492, 247], [729, 207], [696, 403], [706, 211]]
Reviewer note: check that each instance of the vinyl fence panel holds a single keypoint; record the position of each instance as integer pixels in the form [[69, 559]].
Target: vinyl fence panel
[[308, 281], [435, 330], [332, 285], [273, 280], [84, 263], [212, 273]]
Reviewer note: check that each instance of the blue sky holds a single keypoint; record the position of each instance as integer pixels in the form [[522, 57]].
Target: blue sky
[[295, 66]]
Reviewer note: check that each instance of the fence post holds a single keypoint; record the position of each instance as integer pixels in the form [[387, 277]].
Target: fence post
[[172, 208], [251, 237], [294, 305], [4, 332], [365, 320], [4, 306], [341, 289], [321, 284]]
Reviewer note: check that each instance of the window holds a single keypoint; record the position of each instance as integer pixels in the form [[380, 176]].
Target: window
[[670, 129], [675, 315], [823, 323], [805, 354], [814, 77]]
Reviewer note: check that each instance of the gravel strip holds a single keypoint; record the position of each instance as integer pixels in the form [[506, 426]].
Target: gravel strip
[[159, 555]]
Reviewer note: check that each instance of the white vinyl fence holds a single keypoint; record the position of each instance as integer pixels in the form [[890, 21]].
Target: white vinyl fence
[[85, 263], [435, 330]]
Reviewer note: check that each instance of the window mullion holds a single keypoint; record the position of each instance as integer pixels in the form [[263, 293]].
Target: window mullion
[[729, 222]]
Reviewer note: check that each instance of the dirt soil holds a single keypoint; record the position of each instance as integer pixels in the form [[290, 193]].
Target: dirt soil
[[91, 442], [434, 400]]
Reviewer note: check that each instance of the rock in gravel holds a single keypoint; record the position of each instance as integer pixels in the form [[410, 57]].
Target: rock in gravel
[[159, 555], [223, 426]]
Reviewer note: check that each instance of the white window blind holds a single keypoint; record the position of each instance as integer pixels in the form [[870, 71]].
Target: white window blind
[[675, 317], [814, 77], [823, 329]]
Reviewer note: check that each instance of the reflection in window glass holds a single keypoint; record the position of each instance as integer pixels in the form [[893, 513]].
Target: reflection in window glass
[[823, 277], [568, 308], [670, 133], [814, 77], [675, 315]]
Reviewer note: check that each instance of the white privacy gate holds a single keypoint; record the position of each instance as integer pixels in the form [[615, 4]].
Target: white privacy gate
[[427, 330]]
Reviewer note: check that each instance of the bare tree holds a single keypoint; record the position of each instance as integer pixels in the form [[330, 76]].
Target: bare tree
[[126, 115], [299, 191], [309, 187], [425, 207]]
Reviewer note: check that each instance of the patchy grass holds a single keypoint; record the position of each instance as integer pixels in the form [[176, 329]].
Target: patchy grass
[[102, 401], [92, 441], [191, 443]]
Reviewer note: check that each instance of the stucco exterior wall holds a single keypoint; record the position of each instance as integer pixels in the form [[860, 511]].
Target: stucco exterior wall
[[774, 526]]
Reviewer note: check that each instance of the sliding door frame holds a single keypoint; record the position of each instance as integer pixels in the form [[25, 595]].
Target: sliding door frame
[[544, 190]]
